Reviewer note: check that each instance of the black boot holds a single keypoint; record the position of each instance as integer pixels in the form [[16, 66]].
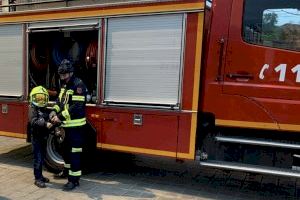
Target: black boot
[[45, 179], [39, 183], [70, 186]]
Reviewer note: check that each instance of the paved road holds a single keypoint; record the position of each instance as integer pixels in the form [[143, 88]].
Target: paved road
[[124, 176]]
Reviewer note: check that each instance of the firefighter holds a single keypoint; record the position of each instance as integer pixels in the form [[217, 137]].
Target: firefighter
[[70, 112], [39, 125]]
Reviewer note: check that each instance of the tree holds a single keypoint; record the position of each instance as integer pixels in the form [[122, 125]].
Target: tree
[[269, 26]]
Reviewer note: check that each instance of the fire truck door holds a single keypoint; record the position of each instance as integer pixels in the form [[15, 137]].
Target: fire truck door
[[262, 55]]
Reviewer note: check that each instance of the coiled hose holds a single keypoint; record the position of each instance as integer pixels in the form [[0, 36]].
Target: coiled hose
[[91, 57], [39, 57]]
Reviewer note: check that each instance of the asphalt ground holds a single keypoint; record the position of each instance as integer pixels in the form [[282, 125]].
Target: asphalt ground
[[127, 176]]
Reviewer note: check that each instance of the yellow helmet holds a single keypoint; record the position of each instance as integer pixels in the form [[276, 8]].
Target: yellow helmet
[[39, 96]]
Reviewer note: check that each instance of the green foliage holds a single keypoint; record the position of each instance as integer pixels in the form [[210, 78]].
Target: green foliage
[[270, 30]]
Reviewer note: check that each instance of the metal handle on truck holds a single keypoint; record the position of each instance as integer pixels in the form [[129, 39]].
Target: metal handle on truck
[[238, 75], [220, 64]]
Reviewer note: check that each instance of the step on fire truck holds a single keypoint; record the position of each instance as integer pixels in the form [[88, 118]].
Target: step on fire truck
[[216, 81]]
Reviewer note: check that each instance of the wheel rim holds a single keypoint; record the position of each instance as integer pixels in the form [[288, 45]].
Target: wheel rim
[[52, 151]]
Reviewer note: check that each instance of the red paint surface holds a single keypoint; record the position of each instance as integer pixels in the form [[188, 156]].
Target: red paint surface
[[189, 61], [15, 120], [161, 130], [254, 100]]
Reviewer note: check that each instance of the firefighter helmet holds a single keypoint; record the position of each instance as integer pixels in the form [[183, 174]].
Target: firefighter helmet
[[65, 67], [39, 96]]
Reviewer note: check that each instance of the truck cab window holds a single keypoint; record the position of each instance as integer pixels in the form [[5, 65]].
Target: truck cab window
[[275, 24]]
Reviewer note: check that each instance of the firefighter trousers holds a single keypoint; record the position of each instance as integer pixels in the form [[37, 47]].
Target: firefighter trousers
[[72, 150]]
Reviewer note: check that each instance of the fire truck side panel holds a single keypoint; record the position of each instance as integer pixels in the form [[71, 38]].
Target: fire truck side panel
[[285, 111], [186, 139], [13, 115], [13, 119], [181, 142], [250, 92], [214, 55], [155, 132], [100, 11], [250, 98], [165, 131], [189, 61], [261, 63]]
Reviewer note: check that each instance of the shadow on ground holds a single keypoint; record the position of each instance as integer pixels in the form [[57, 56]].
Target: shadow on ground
[[120, 174], [20, 156]]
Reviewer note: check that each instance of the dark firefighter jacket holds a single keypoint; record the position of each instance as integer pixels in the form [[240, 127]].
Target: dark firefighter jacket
[[38, 118], [71, 101]]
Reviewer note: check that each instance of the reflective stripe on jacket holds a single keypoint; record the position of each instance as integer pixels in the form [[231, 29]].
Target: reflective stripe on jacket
[[71, 103]]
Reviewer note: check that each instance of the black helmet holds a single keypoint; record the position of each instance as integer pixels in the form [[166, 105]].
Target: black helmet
[[65, 67]]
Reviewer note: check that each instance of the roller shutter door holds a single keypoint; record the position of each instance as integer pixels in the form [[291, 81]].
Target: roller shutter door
[[143, 60], [11, 60]]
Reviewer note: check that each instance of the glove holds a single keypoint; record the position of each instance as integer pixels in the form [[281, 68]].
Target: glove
[[59, 132]]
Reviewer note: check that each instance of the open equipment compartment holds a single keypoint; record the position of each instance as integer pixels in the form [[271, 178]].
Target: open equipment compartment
[[51, 42]]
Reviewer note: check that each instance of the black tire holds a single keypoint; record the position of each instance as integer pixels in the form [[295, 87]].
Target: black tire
[[53, 160]]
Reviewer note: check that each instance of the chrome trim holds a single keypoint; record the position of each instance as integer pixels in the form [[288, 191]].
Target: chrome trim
[[62, 26], [43, 30], [25, 63], [250, 168], [99, 63], [62, 29], [296, 155], [104, 60], [208, 3], [189, 111], [140, 105], [182, 59], [256, 142]]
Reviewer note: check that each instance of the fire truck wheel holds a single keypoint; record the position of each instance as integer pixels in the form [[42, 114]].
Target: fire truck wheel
[[53, 160]]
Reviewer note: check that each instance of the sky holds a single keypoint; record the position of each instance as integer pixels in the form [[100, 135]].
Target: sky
[[286, 16]]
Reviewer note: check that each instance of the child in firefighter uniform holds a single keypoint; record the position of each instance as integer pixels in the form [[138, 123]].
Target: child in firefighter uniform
[[39, 125], [70, 112]]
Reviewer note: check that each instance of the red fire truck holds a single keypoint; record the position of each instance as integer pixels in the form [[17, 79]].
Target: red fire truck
[[212, 81]]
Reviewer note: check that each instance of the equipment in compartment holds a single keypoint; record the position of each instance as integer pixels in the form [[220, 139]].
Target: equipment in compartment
[[91, 54], [39, 55], [48, 49]]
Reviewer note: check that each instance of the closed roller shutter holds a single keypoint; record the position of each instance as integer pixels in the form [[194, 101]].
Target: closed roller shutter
[[143, 59], [11, 60]]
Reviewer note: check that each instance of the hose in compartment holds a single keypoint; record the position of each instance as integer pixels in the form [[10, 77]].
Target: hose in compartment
[[39, 56], [91, 54]]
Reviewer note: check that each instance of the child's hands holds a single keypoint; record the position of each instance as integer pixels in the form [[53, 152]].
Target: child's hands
[[49, 125]]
